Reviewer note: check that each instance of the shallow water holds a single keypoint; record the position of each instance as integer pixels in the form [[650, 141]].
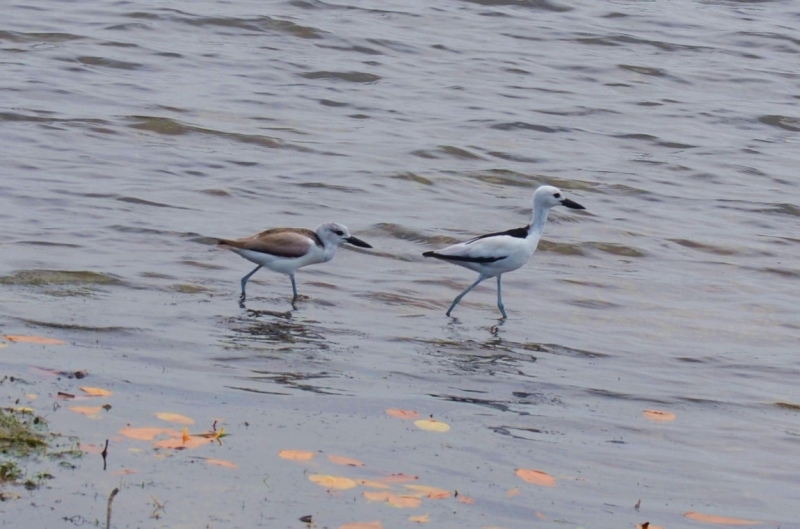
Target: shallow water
[[134, 131]]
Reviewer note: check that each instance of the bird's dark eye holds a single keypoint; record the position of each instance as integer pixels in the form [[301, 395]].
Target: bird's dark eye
[[557, 195], [339, 232]]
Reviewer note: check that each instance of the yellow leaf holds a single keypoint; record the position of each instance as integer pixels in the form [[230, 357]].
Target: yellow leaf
[[174, 417], [96, 392], [42, 340], [403, 501], [537, 477], [123, 472], [431, 492], [222, 463], [432, 425], [332, 482], [710, 518], [339, 460], [146, 433], [423, 518], [296, 455], [402, 414], [377, 495], [373, 484], [91, 411], [362, 525], [659, 416]]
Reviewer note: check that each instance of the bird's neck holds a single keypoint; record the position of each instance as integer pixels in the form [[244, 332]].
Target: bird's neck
[[538, 220]]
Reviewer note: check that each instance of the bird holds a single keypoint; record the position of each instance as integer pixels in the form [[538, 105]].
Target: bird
[[494, 254], [284, 250]]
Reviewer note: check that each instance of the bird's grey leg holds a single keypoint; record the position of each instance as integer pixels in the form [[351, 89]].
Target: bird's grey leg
[[500, 297], [458, 298], [244, 282], [294, 287]]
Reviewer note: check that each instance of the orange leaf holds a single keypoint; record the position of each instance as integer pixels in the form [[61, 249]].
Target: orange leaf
[[178, 442], [659, 416], [373, 484], [185, 434], [123, 472], [537, 477], [512, 492], [339, 460], [423, 518], [541, 515], [402, 502], [466, 499], [97, 392], [34, 339], [398, 478], [146, 433], [91, 449], [87, 410], [332, 482], [362, 525], [296, 455], [174, 417], [402, 414], [431, 492], [432, 425], [377, 495], [710, 518], [222, 463]]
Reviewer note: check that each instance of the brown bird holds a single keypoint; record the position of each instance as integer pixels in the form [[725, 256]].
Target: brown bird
[[284, 250]]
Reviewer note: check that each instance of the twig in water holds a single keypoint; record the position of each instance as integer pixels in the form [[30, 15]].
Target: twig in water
[[110, 499], [104, 453]]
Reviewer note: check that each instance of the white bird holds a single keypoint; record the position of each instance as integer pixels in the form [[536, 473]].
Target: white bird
[[284, 250], [495, 254]]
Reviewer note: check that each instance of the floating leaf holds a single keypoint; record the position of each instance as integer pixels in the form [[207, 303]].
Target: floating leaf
[[541, 515], [174, 417], [3, 344], [91, 411], [537, 477], [422, 518], [41, 340], [123, 472], [185, 434], [512, 492], [96, 392], [31, 396], [648, 525], [296, 455], [377, 495], [362, 525], [710, 518], [339, 460], [659, 416], [403, 501], [332, 482], [91, 449], [466, 499], [146, 433], [221, 463], [179, 442], [432, 425], [373, 484], [402, 414], [431, 492]]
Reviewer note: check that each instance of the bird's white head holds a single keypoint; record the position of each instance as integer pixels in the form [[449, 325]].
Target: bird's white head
[[546, 197], [334, 234]]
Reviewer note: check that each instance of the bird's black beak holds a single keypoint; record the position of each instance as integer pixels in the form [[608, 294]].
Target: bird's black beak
[[571, 204], [357, 242]]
